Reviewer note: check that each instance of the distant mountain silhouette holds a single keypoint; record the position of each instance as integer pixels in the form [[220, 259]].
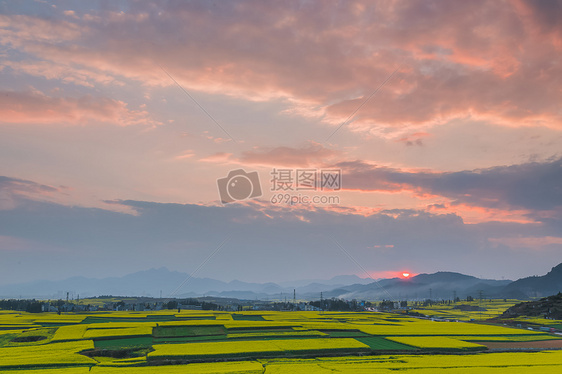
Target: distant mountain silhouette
[[153, 282], [443, 285], [440, 285]]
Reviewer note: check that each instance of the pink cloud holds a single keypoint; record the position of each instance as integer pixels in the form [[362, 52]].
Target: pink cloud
[[18, 30], [496, 61], [310, 155], [185, 155], [37, 108], [65, 73], [413, 139]]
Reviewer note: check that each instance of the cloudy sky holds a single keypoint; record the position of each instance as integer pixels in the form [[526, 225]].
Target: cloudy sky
[[117, 118]]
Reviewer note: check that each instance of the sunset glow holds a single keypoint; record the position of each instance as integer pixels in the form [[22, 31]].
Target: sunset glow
[[441, 120]]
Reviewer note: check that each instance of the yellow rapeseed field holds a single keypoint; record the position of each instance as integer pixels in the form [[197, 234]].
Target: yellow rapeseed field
[[142, 342]]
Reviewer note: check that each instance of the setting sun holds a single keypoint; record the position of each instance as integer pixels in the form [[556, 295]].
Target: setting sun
[[405, 275]]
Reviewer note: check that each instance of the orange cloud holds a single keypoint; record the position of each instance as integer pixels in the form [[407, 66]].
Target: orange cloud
[[219, 157], [476, 214]]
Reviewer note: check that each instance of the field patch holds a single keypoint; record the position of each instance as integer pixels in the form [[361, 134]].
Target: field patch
[[117, 331], [377, 343], [270, 334], [494, 363], [189, 339], [187, 331], [72, 332], [509, 338], [236, 367], [145, 341], [29, 337], [259, 348], [247, 317], [436, 342], [53, 354], [345, 333], [543, 344]]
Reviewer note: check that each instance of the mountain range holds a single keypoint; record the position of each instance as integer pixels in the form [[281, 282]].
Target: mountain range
[[166, 283]]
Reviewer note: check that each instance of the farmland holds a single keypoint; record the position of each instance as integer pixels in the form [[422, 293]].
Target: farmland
[[467, 310], [270, 342]]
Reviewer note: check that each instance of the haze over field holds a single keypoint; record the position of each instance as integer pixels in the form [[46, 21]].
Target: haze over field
[[117, 119]]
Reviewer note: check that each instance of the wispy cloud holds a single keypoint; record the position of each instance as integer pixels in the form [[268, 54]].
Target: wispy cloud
[[311, 154], [14, 189], [34, 107]]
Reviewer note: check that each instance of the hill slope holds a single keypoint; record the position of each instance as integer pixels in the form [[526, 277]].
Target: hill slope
[[550, 306], [536, 286]]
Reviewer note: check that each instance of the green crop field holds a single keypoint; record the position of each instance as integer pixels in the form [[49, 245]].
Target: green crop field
[[264, 342], [436, 342], [487, 309]]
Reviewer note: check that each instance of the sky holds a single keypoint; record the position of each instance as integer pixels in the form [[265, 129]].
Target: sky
[[356, 137]]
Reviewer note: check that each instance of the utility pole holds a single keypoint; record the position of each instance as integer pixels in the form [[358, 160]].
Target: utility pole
[[321, 303]]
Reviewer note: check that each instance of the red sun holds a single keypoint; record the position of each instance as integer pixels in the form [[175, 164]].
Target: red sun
[[405, 274]]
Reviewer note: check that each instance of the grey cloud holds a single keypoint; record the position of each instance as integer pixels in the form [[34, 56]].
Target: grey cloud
[[14, 185], [534, 185], [547, 13], [264, 243], [13, 189]]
